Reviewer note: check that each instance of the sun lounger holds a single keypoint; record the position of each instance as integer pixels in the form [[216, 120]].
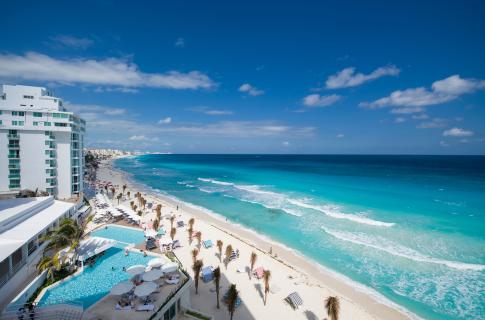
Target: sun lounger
[[145, 307], [258, 273], [125, 308], [207, 244], [294, 300]]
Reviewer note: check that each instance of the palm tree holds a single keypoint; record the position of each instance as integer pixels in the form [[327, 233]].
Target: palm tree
[[135, 207], [191, 232], [198, 236], [219, 246], [156, 224], [140, 213], [172, 219], [124, 188], [252, 261], [266, 277], [118, 197], [232, 296], [113, 191], [217, 281], [52, 264], [228, 254], [173, 231], [67, 234], [128, 194], [198, 264], [191, 223], [195, 252], [132, 203], [158, 209], [333, 307]]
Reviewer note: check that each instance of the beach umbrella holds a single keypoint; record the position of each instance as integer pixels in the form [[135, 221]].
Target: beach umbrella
[[169, 267], [156, 263], [151, 233], [145, 289], [122, 288], [152, 275], [136, 269]]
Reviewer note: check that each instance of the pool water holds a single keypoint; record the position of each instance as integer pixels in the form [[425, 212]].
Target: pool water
[[121, 234], [95, 282]]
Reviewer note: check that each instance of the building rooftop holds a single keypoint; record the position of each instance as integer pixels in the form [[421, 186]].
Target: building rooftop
[[36, 219]]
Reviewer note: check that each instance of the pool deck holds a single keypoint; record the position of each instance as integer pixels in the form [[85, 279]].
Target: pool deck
[[105, 308]]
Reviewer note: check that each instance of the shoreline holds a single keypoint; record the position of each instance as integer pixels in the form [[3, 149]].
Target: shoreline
[[311, 272]]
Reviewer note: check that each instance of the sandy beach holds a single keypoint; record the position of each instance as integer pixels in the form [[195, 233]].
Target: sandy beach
[[290, 271]]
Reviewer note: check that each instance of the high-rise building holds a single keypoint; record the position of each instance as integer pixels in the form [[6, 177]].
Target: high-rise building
[[41, 143]]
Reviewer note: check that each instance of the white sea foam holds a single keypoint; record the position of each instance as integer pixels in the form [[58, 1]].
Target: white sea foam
[[333, 211], [216, 181], [381, 244], [283, 200]]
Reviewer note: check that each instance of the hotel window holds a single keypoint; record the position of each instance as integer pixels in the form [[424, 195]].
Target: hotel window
[[35, 123], [47, 124], [18, 113], [0, 122], [17, 123], [60, 124], [38, 114], [28, 97]]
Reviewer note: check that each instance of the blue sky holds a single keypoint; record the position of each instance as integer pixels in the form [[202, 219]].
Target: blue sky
[[278, 77]]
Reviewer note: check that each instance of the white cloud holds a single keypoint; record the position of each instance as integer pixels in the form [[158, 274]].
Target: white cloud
[[441, 91], [166, 120], [422, 116], [94, 109], [433, 123], [142, 138], [180, 43], [407, 110], [348, 78], [340, 135], [457, 132], [400, 120], [71, 42], [249, 89], [316, 100], [107, 72], [212, 112]]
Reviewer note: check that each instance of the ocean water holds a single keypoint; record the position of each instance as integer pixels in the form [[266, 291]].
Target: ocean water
[[411, 228]]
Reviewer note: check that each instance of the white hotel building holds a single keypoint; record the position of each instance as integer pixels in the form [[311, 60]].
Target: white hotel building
[[40, 143]]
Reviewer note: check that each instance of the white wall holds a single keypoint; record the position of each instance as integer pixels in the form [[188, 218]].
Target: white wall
[[32, 160], [63, 141], [3, 161]]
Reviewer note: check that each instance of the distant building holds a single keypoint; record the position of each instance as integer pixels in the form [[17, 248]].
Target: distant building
[[23, 223], [41, 143]]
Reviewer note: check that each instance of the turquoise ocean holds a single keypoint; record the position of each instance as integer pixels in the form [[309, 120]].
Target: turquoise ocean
[[411, 228]]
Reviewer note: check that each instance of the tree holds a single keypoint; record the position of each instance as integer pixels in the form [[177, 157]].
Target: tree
[[124, 188], [128, 194], [333, 307], [198, 264], [191, 223], [195, 252], [67, 234], [156, 224], [217, 281], [118, 197], [140, 213], [132, 203], [158, 209], [228, 254], [113, 190], [252, 261], [172, 219], [51, 264], [232, 296], [173, 231], [198, 236], [191, 232], [219, 247], [266, 277]]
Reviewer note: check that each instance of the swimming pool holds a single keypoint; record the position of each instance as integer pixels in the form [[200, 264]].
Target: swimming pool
[[121, 234], [94, 282]]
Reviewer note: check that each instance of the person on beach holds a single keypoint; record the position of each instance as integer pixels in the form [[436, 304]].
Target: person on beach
[[126, 252]]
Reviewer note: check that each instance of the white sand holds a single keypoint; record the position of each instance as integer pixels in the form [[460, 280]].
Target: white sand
[[312, 282]]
